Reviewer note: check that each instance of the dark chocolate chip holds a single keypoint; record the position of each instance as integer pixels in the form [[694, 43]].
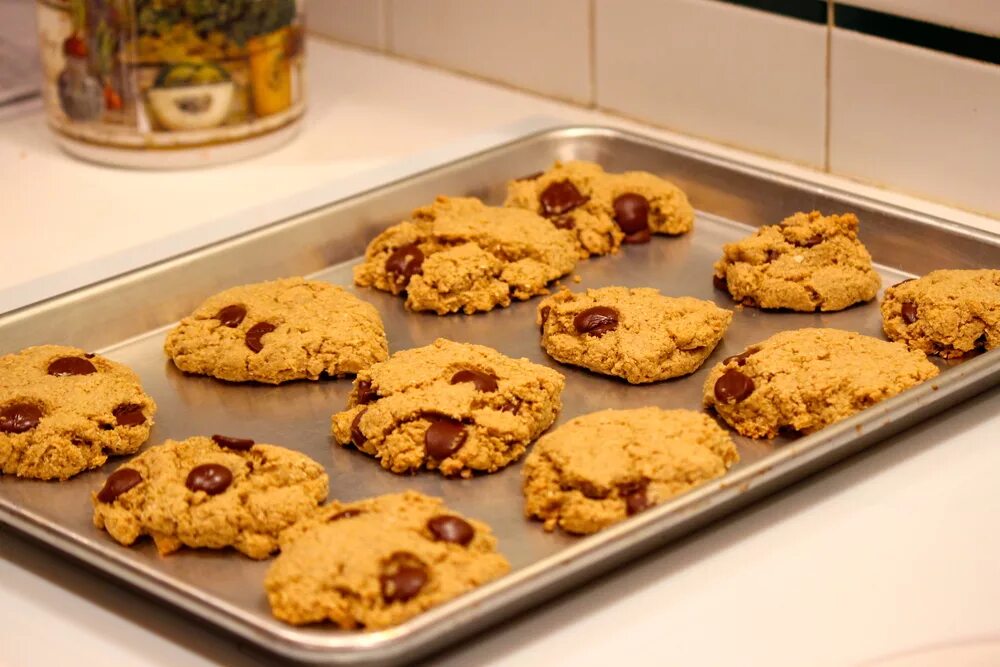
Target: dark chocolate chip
[[564, 222], [231, 316], [211, 478], [404, 263], [909, 312], [254, 335], [71, 366], [641, 236], [596, 321], [592, 491], [543, 314], [365, 393], [443, 437], [485, 382], [741, 358], [118, 483], [733, 387], [448, 528], [772, 254], [631, 213], [813, 240], [358, 438], [129, 414], [530, 177], [403, 575], [346, 514], [19, 417], [90, 355], [719, 283], [237, 444], [634, 495], [981, 342], [560, 197]]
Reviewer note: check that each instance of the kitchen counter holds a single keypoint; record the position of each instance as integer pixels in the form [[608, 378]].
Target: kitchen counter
[[890, 551]]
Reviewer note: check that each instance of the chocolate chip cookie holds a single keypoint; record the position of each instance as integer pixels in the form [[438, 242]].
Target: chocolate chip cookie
[[808, 262], [63, 411], [452, 407], [947, 313], [636, 334], [210, 493], [277, 331], [604, 210], [378, 562], [596, 470], [806, 379], [459, 255]]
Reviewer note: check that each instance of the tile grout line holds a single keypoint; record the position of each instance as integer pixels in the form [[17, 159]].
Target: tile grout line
[[828, 89]]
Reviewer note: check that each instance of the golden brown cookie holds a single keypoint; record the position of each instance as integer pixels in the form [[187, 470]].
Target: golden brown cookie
[[808, 262], [598, 469], [453, 407], [63, 411], [378, 562], [634, 333], [459, 255], [947, 313], [210, 493], [604, 210], [806, 379], [273, 332]]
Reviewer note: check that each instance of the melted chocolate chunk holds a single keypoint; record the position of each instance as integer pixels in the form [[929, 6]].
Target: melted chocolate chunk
[[641, 236], [544, 315], [813, 240], [444, 437], [211, 478], [909, 312], [596, 321], [118, 483], [733, 387], [741, 358], [358, 438], [19, 417], [448, 528], [485, 382], [563, 222], [631, 213], [559, 198], [231, 316], [404, 263], [254, 335], [719, 283], [365, 393], [236, 444], [129, 414], [64, 366], [403, 575], [634, 495]]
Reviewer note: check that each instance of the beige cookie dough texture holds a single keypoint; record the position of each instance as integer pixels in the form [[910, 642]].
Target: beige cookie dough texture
[[332, 570], [272, 488], [950, 312], [806, 379], [474, 257], [414, 387], [808, 262], [319, 329], [580, 476], [78, 428], [594, 221], [657, 337]]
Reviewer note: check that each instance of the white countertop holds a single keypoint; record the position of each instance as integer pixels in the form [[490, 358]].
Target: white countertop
[[891, 551]]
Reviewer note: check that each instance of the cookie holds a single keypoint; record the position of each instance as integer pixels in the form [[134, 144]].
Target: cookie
[[947, 313], [636, 334], [603, 210], [378, 562], [452, 407], [273, 332], [598, 469], [806, 379], [63, 411], [210, 493], [459, 255], [808, 262]]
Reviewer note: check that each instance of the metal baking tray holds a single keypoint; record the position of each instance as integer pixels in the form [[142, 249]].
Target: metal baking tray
[[126, 319]]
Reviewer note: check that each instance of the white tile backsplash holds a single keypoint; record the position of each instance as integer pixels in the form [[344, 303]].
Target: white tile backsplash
[[981, 16], [539, 46], [916, 120], [355, 21], [712, 69]]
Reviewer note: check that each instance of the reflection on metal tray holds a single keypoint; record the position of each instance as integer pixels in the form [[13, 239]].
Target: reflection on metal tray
[[120, 318]]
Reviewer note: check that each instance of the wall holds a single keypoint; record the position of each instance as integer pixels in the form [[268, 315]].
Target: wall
[[901, 93]]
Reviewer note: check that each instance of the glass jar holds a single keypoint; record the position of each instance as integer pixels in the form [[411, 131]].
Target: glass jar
[[172, 83]]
